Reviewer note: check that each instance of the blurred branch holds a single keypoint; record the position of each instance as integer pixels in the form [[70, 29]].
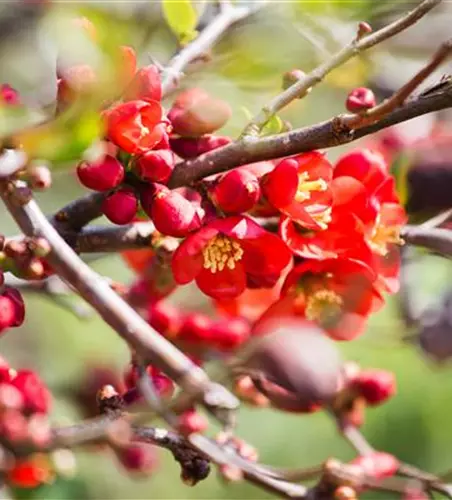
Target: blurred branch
[[436, 239], [228, 15], [111, 307], [358, 45], [319, 136]]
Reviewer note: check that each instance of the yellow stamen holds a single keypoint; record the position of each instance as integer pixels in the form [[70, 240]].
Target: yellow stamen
[[221, 252], [305, 187], [382, 236], [322, 218], [324, 306]]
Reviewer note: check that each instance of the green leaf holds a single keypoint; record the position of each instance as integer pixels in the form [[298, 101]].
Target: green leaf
[[181, 17], [273, 126]]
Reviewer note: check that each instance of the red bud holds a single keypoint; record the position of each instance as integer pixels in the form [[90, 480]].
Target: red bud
[[121, 206], [145, 85], [377, 464], [237, 191], [189, 147], [229, 333], [360, 99], [36, 396], [102, 176], [191, 421], [156, 165], [375, 386]]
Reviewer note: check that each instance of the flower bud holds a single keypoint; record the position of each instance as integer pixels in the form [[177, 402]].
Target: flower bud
[[156, 165], [377, 464], [375, 386], [37, 398], [291, 77], [39, 177], [146, 85], [8, 95], [360, 99], [196, 327], [19, 307], [189, 147], [191, 421], [101, 176], [229, 333], [171, 213], [165, 318], [280, 185], [137, 458], [195, 113], [7, 313], [236, 192], [121, 206]]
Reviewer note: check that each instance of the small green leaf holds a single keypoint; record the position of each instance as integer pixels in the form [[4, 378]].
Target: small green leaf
[[182, 18], [273, 126]]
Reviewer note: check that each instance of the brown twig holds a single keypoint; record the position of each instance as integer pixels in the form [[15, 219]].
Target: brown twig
[[398, 98], [357, 46], [319, 136], [435, 239]]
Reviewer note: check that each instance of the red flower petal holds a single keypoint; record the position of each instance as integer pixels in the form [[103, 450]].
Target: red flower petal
[[188, 261], [265, 255], [280, 186], [224, 284]]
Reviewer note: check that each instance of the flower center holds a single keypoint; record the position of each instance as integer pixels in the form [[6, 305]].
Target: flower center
[[305, 186], [382, 236], [324, 306], [221, 252], [322, 218]]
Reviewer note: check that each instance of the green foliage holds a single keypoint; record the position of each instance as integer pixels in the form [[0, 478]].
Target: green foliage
[[274, 126], [182, 18]]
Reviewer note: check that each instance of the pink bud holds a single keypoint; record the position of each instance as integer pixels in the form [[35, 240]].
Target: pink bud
[[195, 113], [191, 421], [8, 95], [291, 77], [36, 396], [236, 192], [19, 307], [138, 458], [189, 147], [121, 206], [375, 386], [377, 464], [7, 313], [101, 176], [155, 165], [360, 99]]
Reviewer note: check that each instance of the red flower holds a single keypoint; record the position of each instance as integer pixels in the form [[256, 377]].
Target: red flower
[[382, 216], [338, 294], [299, 188], [225, 253], [133, 125]]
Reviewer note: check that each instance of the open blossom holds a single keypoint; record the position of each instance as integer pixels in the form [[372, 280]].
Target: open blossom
[[338, 294], [383, 217], [299, 187], [226, 253], [135, 126]]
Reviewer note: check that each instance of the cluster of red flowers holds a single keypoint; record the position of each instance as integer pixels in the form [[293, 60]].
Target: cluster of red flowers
[[24, 405]]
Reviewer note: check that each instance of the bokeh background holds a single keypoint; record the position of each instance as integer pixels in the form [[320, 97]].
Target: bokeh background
[[245, 69]]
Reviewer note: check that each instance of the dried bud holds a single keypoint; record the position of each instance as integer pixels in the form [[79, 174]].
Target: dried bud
[[121, 206], [195, 113], [360, 99], [155, 166], [236, 192], [101, 176], [375, 386], [189, 147]]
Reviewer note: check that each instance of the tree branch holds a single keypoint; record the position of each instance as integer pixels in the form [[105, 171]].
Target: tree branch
[[112, 308], [319, 136], [433, 238], [228, 15], [357, 46]]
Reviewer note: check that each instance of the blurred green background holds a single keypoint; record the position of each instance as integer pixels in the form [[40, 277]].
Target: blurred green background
[[245, 70]]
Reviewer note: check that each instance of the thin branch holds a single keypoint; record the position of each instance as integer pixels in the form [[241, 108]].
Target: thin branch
[[97, 292], [409, 309], [357, 46], [435, 239], [229, 14], [319, 136], [399, 97]]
